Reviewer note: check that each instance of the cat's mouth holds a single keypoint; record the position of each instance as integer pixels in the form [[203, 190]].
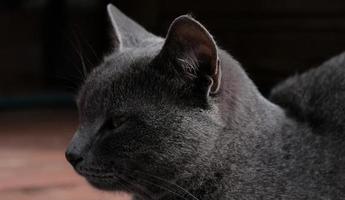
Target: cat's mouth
[[133, 181], [115, 181], [94, 173], [102, 179]]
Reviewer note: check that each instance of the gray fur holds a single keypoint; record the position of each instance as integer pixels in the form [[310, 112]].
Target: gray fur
[[145, 118], [127, 33]]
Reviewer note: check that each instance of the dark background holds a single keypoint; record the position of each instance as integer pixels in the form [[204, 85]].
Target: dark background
[[45, 43]]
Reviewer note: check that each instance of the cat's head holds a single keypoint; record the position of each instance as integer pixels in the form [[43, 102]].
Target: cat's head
[[149, 110]]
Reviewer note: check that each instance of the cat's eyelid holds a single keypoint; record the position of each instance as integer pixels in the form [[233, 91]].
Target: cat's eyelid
[[118, 114], [114, 122], [119, 117]]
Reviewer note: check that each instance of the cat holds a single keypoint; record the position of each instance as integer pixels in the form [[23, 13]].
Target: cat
[[178, 118]]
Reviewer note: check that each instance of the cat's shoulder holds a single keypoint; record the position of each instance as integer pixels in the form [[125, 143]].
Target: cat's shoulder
[[316, 96]]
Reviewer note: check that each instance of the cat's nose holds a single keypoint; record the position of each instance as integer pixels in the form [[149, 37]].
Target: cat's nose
[[73, 157], [74, 150]]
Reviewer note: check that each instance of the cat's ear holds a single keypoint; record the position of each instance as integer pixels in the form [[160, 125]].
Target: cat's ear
[[194, 50], [127, 33]]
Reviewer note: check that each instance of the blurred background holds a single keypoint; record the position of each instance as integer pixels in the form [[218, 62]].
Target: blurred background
[[46, 44]]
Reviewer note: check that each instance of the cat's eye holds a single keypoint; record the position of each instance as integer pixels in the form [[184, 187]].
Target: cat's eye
[[119, 120], [114, 122]]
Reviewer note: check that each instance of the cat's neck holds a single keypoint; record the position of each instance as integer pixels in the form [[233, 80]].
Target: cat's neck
[[249, 144], [241, 105]]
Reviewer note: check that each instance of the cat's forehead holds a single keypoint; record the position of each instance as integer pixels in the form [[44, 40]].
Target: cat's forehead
[[123, 63], [128, 59], [122, 75]]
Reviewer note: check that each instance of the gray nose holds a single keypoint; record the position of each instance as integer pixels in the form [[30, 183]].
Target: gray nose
[[73, 157], [74, 153]]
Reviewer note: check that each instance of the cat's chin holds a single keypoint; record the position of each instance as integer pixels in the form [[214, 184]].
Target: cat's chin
[[105, 183]]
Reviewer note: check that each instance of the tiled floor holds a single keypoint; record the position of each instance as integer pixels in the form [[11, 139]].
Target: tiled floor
[[32, 163]]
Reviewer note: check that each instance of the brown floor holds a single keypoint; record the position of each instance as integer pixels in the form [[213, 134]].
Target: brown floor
[[32, 163]]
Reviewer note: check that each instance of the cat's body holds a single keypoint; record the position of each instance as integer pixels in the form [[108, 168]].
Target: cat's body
[[293, 152], [179, 118]]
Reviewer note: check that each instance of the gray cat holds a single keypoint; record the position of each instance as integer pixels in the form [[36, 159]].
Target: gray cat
[[178, 118]]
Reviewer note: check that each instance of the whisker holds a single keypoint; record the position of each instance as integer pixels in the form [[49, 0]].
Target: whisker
[[163, 181], [142, 193], [162, 187], [126, 187], [173, 184], [81, 57], [69, 85], [90, 47], [77, 48]]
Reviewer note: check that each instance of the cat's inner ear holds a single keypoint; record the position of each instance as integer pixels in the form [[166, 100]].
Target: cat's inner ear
[[126, 32], [194, 49]]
